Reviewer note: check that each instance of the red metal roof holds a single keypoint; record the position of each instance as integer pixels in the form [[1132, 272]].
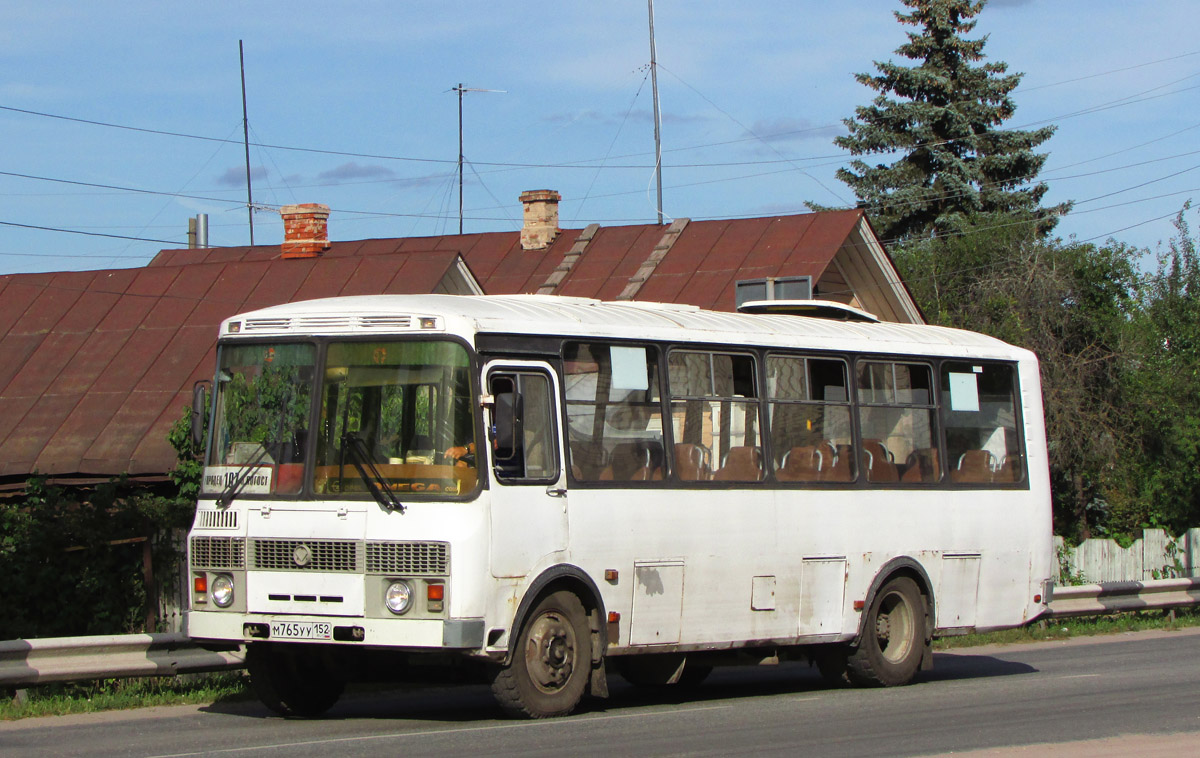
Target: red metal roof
[[97, 365]]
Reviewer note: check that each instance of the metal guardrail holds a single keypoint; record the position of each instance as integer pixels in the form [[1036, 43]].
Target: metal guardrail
[[61, 659], [64, 659], [1110, 597]]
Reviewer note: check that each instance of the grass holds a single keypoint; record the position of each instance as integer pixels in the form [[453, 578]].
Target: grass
[[1083, 626], [62, 698], [119, 694]]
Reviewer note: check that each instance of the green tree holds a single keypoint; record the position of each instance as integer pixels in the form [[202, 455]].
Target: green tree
[[1070, 303], [1163, 391], [942, 116]]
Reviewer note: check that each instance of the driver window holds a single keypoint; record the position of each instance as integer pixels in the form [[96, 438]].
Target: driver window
[[523, 429]]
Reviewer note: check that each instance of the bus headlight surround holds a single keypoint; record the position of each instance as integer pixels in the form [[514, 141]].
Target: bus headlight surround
[[398, 597], [221, 590]]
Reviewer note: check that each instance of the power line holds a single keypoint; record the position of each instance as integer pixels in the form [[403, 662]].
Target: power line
[[1129, 100], [1106, 73], [89, 234]]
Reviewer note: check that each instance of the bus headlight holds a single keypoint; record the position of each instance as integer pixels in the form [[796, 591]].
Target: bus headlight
[[398, 597], [221, 590]]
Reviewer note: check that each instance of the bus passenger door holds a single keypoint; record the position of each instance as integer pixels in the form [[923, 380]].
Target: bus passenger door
[[528, 487]]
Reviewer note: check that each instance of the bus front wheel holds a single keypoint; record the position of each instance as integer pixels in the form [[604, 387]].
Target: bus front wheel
[[893, 638], [293, 682], [551, 661]]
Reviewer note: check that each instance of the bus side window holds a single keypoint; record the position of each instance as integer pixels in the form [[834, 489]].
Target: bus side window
[[898, 420], [809, 418], [979, 408], [614, 414]]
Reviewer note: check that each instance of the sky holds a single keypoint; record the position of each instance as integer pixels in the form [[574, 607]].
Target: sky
[[124, 119]]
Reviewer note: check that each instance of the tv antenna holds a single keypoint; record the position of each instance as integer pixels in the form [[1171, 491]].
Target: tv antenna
[[657, 118], [246, 141], [461, 90]]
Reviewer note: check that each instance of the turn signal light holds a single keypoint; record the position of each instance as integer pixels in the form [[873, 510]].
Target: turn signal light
[[435, 594], [200, 585]]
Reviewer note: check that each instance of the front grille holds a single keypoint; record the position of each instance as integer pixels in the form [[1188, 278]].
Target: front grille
[[385, 322], [266, 324], [305, 555], [328, 323], [218, 552], [408, 558], [217, 520], [317, 323]]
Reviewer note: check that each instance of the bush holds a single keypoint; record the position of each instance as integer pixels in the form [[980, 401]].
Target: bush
[[73, 558]]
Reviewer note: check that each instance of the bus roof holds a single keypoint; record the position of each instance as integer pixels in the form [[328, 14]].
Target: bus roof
[[584, 317]]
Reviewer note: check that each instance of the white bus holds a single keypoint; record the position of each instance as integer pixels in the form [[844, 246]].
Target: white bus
[[534, 489]]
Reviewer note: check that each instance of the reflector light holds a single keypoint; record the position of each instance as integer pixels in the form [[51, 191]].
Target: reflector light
[[859, 605], [613, 617], [435, 591], [200, 585], [610, 575], [1037, 598]]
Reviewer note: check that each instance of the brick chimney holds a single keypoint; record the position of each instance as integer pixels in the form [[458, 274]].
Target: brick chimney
[[541, 219], [305, 230]]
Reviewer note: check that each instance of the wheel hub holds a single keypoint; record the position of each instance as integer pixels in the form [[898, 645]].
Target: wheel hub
[[551, 652]]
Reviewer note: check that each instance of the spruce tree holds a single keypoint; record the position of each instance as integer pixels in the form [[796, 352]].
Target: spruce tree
[[943, 116]]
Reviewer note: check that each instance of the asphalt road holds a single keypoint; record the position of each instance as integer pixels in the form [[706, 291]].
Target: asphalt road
[[1145, 684]]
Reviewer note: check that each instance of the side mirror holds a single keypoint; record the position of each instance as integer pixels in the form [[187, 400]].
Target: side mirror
[[199, 407], [506, 420]]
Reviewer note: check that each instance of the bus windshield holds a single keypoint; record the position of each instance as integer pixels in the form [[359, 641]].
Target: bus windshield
[[403, 406], [263, 398]]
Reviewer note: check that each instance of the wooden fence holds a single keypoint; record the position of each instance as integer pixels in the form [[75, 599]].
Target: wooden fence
[[1155, 556]]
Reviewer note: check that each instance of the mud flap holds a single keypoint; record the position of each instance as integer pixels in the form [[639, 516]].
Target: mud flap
[[598, 681], [927, 654]]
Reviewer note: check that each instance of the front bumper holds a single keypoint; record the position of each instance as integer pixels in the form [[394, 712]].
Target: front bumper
[[424, 634]]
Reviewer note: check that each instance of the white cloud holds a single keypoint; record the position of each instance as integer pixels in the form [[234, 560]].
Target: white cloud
[[235, 176], [352, 170]]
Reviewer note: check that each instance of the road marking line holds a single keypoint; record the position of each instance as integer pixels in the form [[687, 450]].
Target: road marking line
[[428, 732]]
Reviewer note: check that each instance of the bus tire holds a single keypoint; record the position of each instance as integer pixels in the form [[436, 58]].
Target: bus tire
[[296, 684], [550, 665], [893, 638]]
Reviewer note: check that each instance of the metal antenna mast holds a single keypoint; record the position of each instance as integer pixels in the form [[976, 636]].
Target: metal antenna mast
[[657, 118], [460, 89], [246, 139]]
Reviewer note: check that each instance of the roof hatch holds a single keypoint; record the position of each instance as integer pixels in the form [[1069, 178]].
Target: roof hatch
[[812, 308]]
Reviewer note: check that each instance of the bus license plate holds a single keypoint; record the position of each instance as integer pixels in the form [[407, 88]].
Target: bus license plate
[[302, 630]]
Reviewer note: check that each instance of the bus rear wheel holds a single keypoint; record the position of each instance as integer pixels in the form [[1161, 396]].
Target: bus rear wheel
[[291, 681], [893, 638], [551, 661]]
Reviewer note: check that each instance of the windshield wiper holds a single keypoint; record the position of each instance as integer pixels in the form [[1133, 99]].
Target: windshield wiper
[[376, 484], [240, 480]]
